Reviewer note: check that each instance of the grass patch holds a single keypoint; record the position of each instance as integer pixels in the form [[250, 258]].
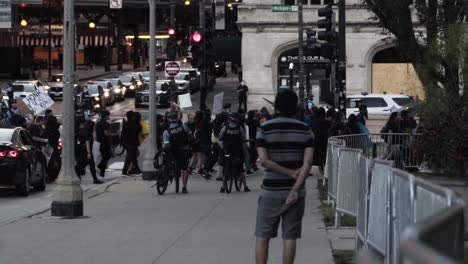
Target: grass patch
[[344, 257], [328, 212]]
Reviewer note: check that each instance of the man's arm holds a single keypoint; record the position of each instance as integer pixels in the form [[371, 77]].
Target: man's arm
[[273, 166]]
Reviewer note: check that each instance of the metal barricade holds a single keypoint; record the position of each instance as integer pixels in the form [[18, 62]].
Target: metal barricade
[[348, 173], [402, 208], [362, 201], [437, 238], [332, 177], [379, 206], [429, 199]]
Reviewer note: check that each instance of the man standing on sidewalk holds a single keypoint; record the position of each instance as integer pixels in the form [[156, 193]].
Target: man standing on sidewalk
[[242, 96], [131, 132], [285, 148]]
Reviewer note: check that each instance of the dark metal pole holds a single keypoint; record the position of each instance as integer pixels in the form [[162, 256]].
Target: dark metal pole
[[119, 37], [49, 61], [203, 88], [301, 53], [341, 71]]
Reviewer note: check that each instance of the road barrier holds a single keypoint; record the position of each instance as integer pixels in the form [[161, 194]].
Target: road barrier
[[397, 213]]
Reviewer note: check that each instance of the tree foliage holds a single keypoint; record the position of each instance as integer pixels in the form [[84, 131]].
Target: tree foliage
[[433, 36]]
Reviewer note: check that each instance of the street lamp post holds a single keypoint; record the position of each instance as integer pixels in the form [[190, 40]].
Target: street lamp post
[[291, 75], [49, 44], [68, 195], [149, 172], [24, 24]]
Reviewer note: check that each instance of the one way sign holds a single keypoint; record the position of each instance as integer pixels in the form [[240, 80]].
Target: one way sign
[[115, 4]]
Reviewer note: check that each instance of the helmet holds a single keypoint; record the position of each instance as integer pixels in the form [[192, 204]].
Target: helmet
[[233, 116], [172, 116]]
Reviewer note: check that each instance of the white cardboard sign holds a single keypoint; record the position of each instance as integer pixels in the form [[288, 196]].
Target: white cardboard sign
[[218, 103], [115, 4], [38, 102], [185, 100]]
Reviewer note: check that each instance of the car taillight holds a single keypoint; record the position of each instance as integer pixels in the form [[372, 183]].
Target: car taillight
[[13, 153], [60, 145], [9, 154]]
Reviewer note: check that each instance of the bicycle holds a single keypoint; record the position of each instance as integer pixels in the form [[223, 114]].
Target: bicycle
[[168, 172], [116, 142], [231, 173]]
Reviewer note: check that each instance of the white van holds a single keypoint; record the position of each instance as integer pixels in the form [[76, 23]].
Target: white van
[[377, 104]]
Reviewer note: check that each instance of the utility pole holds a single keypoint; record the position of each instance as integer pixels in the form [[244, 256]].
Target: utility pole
[[301, 53], [49, 45], [203, 88], [149, 172], [68, 195], [341, 66], [119, 37]]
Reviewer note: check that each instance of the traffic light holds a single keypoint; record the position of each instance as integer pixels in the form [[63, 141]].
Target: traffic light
[[171, 50], [171, 32], [196, 49], [311, 40], [326, 23]]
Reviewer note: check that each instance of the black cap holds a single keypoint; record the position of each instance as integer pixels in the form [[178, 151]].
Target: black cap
[[171, 116], [233, 116]]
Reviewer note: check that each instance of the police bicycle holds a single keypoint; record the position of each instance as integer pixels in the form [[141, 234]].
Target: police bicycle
[[231, 172], [168, 172]]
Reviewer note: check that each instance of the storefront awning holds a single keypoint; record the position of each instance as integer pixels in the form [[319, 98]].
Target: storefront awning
[[57, 41]]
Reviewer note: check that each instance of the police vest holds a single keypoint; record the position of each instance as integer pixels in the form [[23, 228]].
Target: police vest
[[179, 138], [232, 139]]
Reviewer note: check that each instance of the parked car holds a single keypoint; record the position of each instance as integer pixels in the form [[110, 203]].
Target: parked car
[[142, 95], [377, 104], [109, 92], [22, 164], [25, 88], [119, 88], [55, 82], [130, 84], [183, 82]]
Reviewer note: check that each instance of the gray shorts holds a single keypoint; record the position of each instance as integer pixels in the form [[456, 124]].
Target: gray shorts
[[271, 211]]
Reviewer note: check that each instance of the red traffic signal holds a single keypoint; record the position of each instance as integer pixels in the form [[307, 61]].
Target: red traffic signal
[[171, 31], [196, 37]]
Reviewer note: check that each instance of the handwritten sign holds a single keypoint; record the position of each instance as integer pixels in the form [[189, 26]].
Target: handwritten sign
[[185, 101], [38, 102]]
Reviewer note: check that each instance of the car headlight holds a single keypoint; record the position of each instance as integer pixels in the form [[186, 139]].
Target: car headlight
[[97, 106], [139, 82], [96, 98], [46, 87], [118, 90], [106, 94], [132, 86]]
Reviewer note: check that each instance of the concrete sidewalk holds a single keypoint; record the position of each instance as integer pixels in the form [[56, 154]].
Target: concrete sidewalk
[[130, 223]]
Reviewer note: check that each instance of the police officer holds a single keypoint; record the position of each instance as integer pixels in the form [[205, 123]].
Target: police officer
[[177, 139], [232, 139]]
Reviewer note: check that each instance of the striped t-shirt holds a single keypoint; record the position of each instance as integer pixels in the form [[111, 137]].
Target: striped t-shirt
[[285, 140]]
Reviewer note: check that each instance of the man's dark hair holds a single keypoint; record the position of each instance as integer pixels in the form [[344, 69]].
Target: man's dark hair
[[105, 113], [286, 102]]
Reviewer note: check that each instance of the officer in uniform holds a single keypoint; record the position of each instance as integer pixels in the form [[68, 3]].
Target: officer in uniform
[[232, 139], [177, 139]]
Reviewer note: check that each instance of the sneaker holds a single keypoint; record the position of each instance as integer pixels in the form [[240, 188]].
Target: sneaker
[[184, 190], [249, 173], [200, 171], [222, 190], [246, 189], [207, 176], [219, 178], [97, 182], [134, 172], [124, 173]]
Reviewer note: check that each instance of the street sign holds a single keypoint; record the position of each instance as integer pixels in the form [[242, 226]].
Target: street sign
[[115, 4], [172, 68], [283, 8]]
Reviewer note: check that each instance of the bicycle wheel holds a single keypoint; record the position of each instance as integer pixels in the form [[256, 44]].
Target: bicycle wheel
[[176, 178], [236, 175], [227, 179], [162, 181]]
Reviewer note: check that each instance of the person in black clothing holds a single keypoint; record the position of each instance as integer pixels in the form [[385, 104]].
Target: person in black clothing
[[177, 139], [320, 127], [232, 139], [203, 135], [362, 116], [103, 137], [131, 142], [253, 124], [242, 91], [53, 136], [85, 152]]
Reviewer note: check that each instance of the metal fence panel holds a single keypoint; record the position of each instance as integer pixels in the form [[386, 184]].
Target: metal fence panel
[[332, 180], [348, 171], [378, 206], [402, 207], [362, 202], [429, 199]]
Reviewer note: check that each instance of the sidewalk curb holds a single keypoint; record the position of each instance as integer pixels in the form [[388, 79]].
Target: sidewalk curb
[[99, 188]]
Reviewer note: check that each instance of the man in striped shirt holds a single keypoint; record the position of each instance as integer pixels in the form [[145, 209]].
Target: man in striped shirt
[[285, 148]]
